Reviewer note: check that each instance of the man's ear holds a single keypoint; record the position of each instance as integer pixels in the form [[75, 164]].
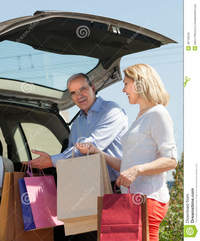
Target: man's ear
[[93, 88]]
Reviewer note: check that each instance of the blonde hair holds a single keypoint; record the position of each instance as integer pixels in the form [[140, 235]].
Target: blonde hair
[[148, 83]]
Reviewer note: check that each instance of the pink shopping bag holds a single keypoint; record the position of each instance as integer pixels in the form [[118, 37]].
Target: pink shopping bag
[[42, 194]]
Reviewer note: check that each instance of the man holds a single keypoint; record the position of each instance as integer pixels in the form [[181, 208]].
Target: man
[[100, 122]]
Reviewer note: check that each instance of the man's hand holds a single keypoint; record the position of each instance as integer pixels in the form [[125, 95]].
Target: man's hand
[[41, 162]]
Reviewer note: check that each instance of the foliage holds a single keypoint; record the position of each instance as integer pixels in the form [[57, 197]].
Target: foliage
[[171, 229]]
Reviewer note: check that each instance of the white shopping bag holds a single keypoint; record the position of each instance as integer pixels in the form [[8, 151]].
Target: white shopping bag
[[80, 181]]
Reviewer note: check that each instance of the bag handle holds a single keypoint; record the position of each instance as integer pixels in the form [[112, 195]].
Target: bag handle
[[115, 189], [79, 140], [29, 171], [137, 198], [23, 168]]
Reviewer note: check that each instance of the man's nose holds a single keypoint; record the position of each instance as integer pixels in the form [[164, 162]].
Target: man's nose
[[80, 95], [78, 92]]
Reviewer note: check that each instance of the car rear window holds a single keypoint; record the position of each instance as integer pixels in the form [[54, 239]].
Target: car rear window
[[21, 62]]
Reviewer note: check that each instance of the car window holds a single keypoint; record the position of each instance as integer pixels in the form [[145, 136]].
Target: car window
[[22, 62], [4, 145], [41, 138], [20, 145]]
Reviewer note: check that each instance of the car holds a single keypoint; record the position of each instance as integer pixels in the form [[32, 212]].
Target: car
[[33, 91]]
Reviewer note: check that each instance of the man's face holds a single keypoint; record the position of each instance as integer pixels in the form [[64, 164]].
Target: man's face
[[83, 95]]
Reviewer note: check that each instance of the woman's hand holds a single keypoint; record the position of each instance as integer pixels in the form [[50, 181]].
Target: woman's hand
[[127, 177], [87, 148]]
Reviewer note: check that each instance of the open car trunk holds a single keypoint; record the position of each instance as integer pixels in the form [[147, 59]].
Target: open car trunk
[[67, 33]]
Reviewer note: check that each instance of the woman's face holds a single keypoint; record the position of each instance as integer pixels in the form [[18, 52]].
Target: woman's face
[[129, 89]]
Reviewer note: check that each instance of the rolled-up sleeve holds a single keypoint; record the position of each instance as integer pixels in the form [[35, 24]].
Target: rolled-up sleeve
[[162, 132]]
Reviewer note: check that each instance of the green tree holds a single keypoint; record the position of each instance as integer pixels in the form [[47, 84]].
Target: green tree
[[171, 229]]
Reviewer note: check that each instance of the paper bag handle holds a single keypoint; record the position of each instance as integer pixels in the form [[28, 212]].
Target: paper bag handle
[[115, 189], [73, 152], [23, 168], [30, 171]]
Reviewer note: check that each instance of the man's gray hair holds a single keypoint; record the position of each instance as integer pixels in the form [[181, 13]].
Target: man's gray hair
[[75, 76]]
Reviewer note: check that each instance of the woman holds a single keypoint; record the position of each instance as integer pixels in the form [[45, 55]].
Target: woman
[[149, 149]]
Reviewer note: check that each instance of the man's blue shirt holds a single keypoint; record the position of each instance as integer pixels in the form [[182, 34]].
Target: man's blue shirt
[[104, 125]]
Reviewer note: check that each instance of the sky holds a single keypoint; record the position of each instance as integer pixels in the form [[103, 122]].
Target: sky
[[164, 17]]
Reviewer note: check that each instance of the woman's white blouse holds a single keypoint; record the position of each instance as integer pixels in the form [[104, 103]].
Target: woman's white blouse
[[150, 137]]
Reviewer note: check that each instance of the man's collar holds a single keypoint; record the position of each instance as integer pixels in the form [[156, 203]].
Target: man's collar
[[95, 107]]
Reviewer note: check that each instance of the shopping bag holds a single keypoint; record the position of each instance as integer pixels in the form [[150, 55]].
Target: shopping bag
[[80, 181], [99, 211], [6, 165], [80, 225], [7, 209], [123, 217], [11, 221], [29, 223], [1, 173], [42, 194]]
